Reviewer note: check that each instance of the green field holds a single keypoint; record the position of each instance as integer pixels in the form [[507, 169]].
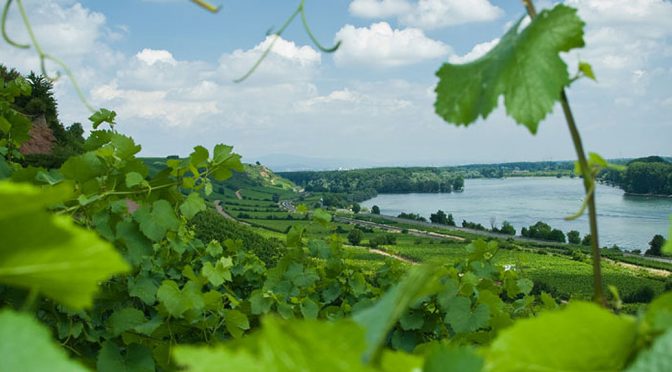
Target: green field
[[554, 268]]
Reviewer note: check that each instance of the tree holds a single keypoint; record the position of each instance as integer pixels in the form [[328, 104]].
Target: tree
[[356, 208], [574, 237], [276, 198], [525, 232], [375, 209], [557, 236], [586, 240], [439, 217], [656, 245], [458, 184], [355, 236], [451, 220], [507, 228]]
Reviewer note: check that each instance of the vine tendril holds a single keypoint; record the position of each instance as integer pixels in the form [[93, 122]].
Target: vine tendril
[[207, 6], [43, 56], [299, 10], [5, 13]]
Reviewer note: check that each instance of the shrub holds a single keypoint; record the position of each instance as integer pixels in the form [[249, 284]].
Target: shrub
[[644, 294]]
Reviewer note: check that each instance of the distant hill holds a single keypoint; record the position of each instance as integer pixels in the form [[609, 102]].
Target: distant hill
[[648, 159], [254, 176]]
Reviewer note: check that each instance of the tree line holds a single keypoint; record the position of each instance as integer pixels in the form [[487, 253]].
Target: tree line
[[379, 180], [650, 175]]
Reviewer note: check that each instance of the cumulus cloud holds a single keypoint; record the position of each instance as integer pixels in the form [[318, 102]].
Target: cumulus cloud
[[286, 61], [626, 40], [152, 56], [380, 45], [170, 101], [428, 14], [159, 87], [478, 51], [379, 8]]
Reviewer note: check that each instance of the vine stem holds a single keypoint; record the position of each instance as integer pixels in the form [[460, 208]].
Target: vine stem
[[40, 52], [588, 184]]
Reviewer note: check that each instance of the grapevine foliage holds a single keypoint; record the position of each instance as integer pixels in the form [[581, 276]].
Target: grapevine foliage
[[62, 261], [524, 67], [25, 345], [106, 256]]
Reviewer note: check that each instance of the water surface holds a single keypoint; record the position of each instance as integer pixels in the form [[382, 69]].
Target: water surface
[[627, 221]]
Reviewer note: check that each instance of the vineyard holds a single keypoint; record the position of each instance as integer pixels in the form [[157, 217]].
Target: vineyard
[[113, 262]]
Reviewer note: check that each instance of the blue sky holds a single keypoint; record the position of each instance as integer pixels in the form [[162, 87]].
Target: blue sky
[[166, 67]]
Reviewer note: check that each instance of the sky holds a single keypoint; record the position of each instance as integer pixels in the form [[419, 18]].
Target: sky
[[167, 68]]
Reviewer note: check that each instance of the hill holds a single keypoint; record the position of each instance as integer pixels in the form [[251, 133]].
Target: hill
[[255, 177]]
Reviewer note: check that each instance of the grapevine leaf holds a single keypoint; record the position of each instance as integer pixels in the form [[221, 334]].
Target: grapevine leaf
[[565, 341], [659, 313], [392, 361], [587, 70], [219, 273], [667, 248], [133, 179], [444, 359], [26, 345], [125, 319], [657, 358], [412, 320], [221, 153], [137, 358], [192, 205], [137, 245], [199, 157], [170, 296], [49, 253], [309, 309], [463, 319], [214, 249], [379, 319], [156, 221], [295, 236], [124, 146], [102, 116], [260, 304], [322, 217], [177, 301], [83, 167], [5, 125], [524, 67], [150, 326], [5, 169], [296, 345], [236, 322], [145, 289]]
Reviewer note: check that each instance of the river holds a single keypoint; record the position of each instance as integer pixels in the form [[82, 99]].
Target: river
[[627, 221]]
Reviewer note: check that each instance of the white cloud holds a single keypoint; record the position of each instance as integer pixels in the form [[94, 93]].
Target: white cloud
[[347, 101], [380, 45], [625, 41], [152, 56], [477, 52], [286, 61], [428, 14], [170, 101], [379, 8]]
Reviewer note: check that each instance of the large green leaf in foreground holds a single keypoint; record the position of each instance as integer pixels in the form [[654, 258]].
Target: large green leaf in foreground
[[525, 67], [284, 346], [48, 253], [581, 337], [25, 345]]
